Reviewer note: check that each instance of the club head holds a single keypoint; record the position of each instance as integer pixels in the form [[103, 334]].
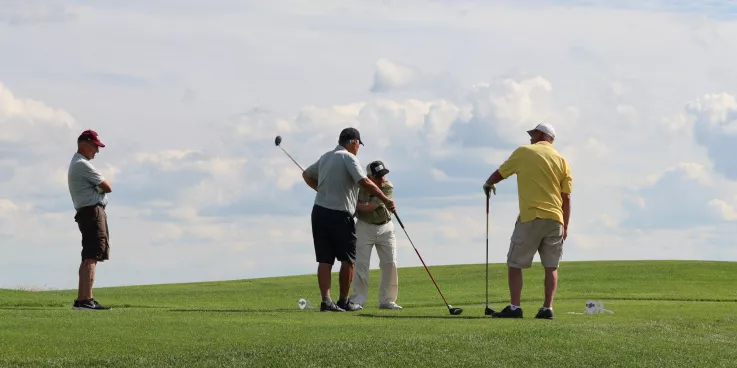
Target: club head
[[455, 311], [489, 311], [277, 141]]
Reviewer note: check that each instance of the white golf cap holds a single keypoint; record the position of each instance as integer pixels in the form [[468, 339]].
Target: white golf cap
[[545, 128]]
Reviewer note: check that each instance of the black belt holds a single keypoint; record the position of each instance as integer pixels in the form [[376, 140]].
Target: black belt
[[381, 223], [92, 206]]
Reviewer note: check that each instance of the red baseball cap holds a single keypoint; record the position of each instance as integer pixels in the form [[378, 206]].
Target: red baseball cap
[[90, 135]]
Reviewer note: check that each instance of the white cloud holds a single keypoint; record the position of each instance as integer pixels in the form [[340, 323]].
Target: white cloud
[[518, 108], [645, 116], [391, 76], [597, 148], [36, 142], [629, 115], [394, 76], [167, 159], [690, 170], [22, 12], [7, 207], [726, 211], [716, 110], [110, 172], [687, 189], [715, 128], [27, 119], [678, 124], [438, 174], [258, 124]]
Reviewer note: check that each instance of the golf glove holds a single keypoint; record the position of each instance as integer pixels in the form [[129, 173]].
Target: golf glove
[[488, 188]]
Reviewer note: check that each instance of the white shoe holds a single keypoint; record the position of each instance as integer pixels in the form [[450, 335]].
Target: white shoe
[[391, 305]]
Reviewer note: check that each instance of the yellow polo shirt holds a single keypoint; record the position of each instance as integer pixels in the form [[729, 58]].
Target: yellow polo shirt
[[542, 175]]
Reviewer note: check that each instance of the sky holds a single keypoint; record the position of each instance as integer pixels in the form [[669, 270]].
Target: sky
[[188, 97]]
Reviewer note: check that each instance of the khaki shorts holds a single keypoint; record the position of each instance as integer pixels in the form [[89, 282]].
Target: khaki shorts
[[539, 235]]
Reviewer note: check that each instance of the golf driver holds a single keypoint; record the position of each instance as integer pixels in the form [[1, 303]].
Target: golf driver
[[488, 311], [453, 311], [277, 142]]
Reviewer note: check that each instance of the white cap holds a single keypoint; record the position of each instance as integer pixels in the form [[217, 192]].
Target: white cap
[[545, 128]]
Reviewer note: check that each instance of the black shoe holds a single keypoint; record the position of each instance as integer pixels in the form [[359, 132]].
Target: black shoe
[[349, 306], [545, 313], [507, 312], [330, 307], [90, 304]]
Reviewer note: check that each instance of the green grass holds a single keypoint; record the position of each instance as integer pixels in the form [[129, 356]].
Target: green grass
[[667, 313]]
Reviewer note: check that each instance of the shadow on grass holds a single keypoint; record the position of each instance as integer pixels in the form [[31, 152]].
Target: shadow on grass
[[69, 306], [273, 310], [26, 308], [422, 317]]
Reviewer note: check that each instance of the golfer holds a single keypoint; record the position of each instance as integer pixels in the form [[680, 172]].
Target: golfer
[[88, 189], [544, 183], [337, 177], [375, 227]]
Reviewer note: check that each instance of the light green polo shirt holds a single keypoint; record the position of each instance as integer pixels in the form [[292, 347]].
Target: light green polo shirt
[[380, 214]]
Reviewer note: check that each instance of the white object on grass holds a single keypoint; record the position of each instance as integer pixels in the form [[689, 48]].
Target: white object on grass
[[304, 304], [594, 307]]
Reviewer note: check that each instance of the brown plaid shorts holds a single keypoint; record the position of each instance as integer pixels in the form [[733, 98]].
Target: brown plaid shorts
[[92, 223]]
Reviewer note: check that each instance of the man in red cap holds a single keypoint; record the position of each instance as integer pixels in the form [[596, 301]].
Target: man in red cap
[[89, 189]]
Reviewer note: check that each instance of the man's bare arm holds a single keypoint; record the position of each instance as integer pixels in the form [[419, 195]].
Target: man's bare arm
[[494, 178], [376, 191], [566, 209], [311, 182], [105, 186], [566, 213]]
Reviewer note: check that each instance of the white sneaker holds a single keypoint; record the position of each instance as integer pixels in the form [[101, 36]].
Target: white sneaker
[[391, 305]]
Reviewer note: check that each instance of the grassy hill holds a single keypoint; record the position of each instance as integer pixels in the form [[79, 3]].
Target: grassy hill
[[667, 313]]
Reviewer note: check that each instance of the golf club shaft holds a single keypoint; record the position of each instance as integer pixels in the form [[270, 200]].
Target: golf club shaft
[[421, 260], [290, 157]]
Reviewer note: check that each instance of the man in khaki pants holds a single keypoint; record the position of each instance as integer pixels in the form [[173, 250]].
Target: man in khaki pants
[[544, 184], [375, 227]]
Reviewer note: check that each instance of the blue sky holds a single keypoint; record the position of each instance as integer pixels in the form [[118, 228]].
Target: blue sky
[[189, 97]]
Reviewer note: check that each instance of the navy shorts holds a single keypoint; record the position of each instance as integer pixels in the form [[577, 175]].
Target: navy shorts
[[334, 235]]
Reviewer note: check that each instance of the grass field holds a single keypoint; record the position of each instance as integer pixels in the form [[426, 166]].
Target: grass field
[[667, 314]]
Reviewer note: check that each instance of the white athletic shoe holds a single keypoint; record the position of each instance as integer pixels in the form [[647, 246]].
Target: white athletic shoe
[[391, 305]]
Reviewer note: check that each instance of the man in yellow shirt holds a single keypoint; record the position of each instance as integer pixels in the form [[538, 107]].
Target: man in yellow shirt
[[544, 183]]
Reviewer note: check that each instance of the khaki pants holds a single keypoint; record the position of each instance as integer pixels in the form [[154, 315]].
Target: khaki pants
[[383, 237], [544, 236]]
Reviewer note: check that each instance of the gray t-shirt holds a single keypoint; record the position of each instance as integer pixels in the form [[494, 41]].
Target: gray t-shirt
[[83, 180], [337, 173]]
